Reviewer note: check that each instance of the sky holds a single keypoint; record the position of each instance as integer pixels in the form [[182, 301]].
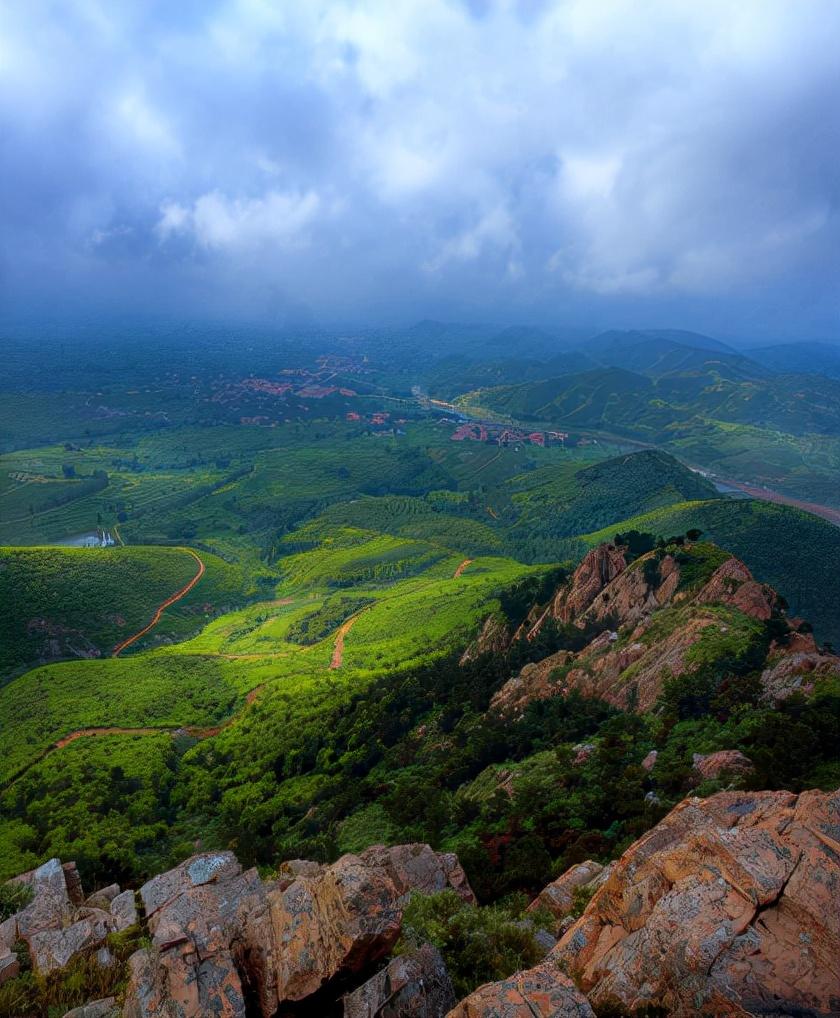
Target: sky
[[669, 163]]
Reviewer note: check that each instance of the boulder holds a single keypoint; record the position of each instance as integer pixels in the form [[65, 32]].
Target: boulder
[[123, 910], [732, 583], [649, 761], [540, 992], [558, 897], [413, 985], [419, 868], [222, 938], [103, 897], [210, 929], [9, 964], [724, 761], [51, 906], [728, 906], [54, 948]]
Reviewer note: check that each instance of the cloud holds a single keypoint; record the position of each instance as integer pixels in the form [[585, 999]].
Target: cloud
[[508, 157], [217, 222]]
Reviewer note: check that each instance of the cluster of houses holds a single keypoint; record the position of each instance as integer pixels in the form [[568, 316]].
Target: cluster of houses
[[501, 435]]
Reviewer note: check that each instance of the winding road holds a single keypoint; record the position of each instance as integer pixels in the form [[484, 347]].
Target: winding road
[[177, 596]]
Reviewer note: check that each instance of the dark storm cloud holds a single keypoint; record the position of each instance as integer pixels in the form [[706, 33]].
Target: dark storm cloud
[[599, 160]]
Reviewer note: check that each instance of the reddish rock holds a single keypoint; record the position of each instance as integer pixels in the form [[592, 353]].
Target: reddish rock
[[9, 964], [210, 927], [558, 897], [221, 936], [724, 761], [649, 761], [103, 897], [728, 906], [598, 568], [631, 597], [541, 992], [123, 910], [536, 681], [51, 907], [54, 948], [732, 583], [795, 668], [413, 985]]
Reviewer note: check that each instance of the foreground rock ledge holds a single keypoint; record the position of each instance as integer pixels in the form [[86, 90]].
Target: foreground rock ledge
[[729, 906], [225, 943]]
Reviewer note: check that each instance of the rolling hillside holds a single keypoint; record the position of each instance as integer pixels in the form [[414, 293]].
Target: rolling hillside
[[81, 602], [795, 552]]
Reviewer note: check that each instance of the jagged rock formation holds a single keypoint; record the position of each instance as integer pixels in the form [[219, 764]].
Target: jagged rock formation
[[493, 639], [728, 906], [226, 943], [413, 985], [651, 622], [58, 923], [542, 991]]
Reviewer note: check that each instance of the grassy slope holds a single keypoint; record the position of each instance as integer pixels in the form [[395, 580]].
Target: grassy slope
[[89, 599], [795, 552]]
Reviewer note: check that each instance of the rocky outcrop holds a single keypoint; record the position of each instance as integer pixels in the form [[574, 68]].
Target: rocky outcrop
[[628, 662], [559, 897], [226, 943], [723, 762], [732, 583], [598, 568], [728, 906], [536, 681], [413, 985], [57, 924], [540, 992], [635, 594], [796, 667], [494, 638]]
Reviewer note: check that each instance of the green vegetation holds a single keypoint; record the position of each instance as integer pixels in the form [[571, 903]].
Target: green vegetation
[[307, 696], [81, 602], [84, 979], [793, 551], [478, 945]]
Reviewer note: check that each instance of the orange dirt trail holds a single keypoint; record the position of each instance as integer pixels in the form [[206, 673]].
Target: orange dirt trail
[[338, 650], [83, 733], [120, 647], [459, 571]]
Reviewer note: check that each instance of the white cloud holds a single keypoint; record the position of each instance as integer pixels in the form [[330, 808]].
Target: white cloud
[[217, 222]]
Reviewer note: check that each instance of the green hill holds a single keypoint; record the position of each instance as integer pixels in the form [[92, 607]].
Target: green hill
[[793, 551], [80, 602], [552, 504]]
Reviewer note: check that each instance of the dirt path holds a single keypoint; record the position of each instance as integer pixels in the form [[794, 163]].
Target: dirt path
[[120, 647], [459, 571], [83, 733], [195, 731], [344, 629]]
